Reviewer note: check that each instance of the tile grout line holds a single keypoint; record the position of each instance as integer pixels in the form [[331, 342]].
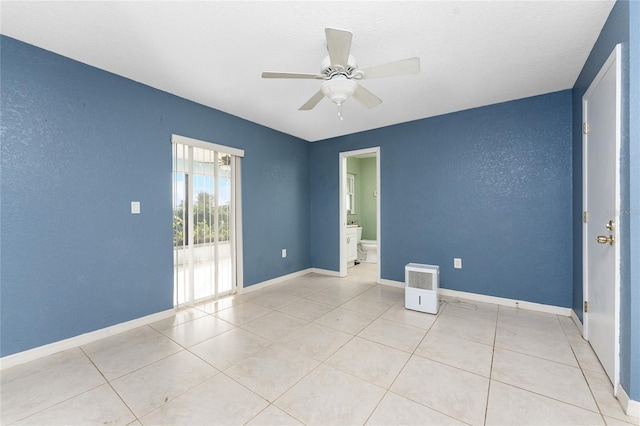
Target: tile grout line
[[352, 337], [493, 352], [412, 354], [111, 386], [538, 393], [69, 398], [545, 396], [584, 376], [323, 363], [183, 348], [279, 345]]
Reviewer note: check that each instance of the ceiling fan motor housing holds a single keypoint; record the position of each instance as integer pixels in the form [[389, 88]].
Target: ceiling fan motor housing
[[329, 70]]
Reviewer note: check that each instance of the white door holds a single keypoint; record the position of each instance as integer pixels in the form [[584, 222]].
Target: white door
[[601, 140]]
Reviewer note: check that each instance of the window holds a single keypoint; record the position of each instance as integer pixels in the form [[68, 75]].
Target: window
[[351, 193]]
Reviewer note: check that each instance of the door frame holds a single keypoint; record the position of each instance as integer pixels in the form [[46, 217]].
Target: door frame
[[342, 213], [614, 59]]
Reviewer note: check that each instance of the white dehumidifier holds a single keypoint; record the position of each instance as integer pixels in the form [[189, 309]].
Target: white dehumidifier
[[421, 287]]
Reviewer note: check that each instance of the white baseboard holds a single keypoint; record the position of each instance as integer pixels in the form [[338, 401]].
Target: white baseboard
[[49, 349], [82, 339], [392, 283], [630, 406], [273, 281], [297, 274], [577, 321], [325, 272], [538, 307]]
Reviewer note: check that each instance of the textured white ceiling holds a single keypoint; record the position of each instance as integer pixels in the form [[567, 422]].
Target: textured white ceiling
[[472, 53]]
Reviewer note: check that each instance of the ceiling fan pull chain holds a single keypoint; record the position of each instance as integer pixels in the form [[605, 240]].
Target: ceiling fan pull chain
[[340, 111]]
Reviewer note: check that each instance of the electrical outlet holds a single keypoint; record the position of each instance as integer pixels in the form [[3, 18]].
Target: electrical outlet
[[284, 253], [457, 263]]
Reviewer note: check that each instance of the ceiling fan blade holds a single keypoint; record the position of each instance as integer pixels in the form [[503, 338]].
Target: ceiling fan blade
[[338, 45], [403, 67], [312, 102], [270, 74], [365, 97]]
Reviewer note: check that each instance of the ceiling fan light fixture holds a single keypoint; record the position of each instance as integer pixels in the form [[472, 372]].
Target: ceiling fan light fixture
[[339, 89]]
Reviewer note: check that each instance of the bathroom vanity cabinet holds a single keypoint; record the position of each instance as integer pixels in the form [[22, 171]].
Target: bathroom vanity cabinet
[[352, 243]]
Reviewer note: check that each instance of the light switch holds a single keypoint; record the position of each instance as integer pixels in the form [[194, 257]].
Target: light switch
[[135, 207]]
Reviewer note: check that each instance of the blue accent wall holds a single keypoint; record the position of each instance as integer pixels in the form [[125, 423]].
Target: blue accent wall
[[79, 144], [620, 27], [491, 185]]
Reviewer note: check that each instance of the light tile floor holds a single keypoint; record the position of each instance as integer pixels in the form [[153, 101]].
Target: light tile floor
[[320, 350]]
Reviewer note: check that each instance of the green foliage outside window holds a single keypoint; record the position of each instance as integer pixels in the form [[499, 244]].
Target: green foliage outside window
[[204, 221]]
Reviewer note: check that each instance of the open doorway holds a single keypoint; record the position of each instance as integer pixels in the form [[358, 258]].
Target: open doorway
[[360, 237]]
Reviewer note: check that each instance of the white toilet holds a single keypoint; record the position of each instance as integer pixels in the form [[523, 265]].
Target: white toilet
[[367, 249]]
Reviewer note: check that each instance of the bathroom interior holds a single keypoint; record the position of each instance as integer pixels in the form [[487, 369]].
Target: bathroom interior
[[362, 214]]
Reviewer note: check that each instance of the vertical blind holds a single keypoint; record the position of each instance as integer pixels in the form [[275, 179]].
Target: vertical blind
[[205, 219]]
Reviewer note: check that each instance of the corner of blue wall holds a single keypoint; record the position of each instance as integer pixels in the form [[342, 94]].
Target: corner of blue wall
[[78, 145], [491, 185]]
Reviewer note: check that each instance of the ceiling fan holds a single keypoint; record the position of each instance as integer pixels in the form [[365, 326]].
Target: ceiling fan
[[340, 73]]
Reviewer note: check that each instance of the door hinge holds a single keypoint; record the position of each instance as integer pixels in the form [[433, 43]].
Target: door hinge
[[585, 217], [585, 127], [586, 307]]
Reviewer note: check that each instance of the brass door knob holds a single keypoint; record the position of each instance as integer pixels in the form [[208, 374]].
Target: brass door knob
[[602, 239]]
